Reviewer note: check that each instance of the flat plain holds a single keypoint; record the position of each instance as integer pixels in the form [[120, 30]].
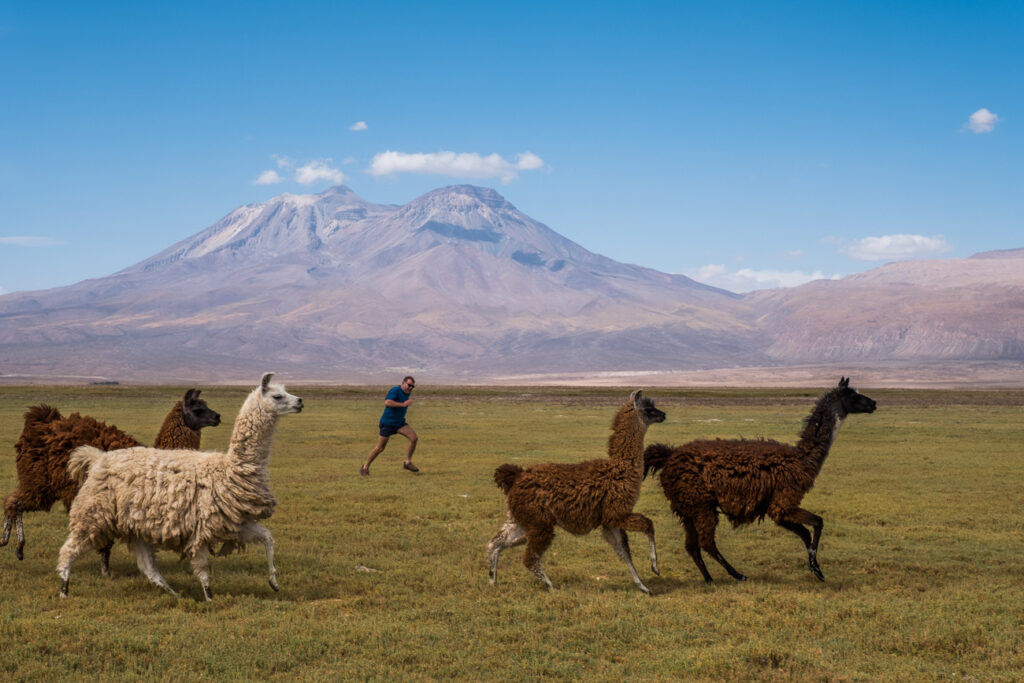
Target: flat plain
[[385, 576]]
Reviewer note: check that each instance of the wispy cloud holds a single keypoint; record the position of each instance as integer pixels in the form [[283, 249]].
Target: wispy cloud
[[748, 279], [461, 165], [982, 121], [894, 247], [315, 171], [282, 161], [309, 173], [269, 177], [31, 241], [358, 125]]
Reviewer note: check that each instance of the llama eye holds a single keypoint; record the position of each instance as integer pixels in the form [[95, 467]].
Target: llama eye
[[277, 397]]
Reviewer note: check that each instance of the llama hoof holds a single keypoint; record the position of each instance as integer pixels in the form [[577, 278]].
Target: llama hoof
[[812, 564], [208, 593], [19, 553], [64, 589], [273, 584]]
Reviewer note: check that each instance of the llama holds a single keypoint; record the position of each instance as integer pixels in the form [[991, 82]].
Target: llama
[[748, 479], [580, 497], [186, 501], [47, 439]]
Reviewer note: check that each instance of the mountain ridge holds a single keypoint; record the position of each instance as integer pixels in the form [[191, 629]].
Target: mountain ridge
[[460, 283]]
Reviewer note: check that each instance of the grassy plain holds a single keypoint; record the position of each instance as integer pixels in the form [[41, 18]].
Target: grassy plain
[[384, 577]]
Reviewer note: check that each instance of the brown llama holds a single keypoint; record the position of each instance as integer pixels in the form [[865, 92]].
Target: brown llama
[[48, 438], [579, 497], [748, 479]]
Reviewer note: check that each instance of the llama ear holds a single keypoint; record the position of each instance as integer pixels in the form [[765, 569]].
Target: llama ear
[[266, 380], [190, 396], [636, 396], [844, 382]]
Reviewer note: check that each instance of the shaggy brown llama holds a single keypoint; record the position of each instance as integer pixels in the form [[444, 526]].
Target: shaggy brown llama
[[48, 438], [579, 497], [748, 479]]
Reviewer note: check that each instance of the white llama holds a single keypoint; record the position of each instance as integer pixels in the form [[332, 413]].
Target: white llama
[[185, 501]]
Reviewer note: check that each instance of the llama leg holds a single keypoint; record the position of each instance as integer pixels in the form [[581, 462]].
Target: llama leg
[[72, 549], [251, 531], [637, 522], [538, 540], [511, 534], [8, 521], [693, 548], [706, 524], [105, 559], [794, 520], [201, 568], [145, 558], [11, 511], [19, 527], [620, 542]]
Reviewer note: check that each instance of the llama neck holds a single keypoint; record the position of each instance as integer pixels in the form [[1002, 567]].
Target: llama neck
[[253, 433], [820, 429], [626, 444], [174, 433]]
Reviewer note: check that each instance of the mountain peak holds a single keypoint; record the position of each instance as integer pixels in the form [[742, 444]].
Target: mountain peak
[[465, 195]]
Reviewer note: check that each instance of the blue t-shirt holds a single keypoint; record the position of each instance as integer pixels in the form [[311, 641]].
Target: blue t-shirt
[[392, 415]]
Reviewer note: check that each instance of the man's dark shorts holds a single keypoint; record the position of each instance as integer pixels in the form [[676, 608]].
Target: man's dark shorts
[[390, 430]]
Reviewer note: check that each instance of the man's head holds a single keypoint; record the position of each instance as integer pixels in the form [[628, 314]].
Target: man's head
[[408, 384]]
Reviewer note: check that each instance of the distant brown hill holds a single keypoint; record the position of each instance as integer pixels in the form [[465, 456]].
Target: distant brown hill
[[461, 285], [954, 309]]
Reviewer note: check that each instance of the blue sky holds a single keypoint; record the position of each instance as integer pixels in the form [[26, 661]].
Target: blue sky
[[748, 144]]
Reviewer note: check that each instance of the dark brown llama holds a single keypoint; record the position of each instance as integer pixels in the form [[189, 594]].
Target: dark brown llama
[[748, 479], [579, 497], [48, 438]]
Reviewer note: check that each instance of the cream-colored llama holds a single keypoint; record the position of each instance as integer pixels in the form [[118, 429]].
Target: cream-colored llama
[[186, 501]]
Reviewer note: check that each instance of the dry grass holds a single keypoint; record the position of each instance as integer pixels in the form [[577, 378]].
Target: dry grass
[[385, 577]]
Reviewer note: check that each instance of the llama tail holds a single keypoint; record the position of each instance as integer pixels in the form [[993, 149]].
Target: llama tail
[[41, 414], [505, 476], [80, 460], [655, 457]]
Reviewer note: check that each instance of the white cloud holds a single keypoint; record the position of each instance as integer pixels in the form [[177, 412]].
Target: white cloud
[[282, 161], [358, 125], [30, 241], [464, 165], [528, 161], [982, 121], [319, 170], [895, 247], [748, 279], [270, 177]]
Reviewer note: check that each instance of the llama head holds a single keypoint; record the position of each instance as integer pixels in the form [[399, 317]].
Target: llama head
[[851, 400], [196, 413], [275, 399], [645, 409]]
